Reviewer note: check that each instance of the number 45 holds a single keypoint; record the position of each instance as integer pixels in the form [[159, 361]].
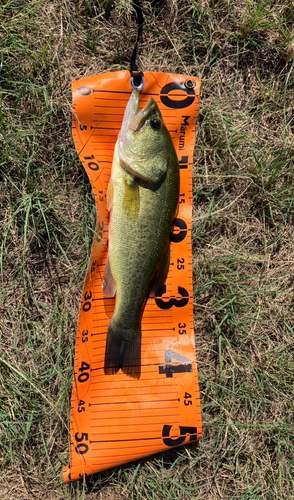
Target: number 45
[[187, 399]]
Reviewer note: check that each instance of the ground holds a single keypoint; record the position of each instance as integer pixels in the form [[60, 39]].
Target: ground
[[243, 247]]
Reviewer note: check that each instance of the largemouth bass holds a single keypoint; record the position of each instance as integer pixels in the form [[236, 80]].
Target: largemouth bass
[[142, 198]]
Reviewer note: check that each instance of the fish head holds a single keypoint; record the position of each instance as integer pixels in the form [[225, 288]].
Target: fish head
[[144, 143]]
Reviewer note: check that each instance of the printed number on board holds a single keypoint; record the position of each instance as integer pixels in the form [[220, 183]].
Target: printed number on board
[[170, 368], [185, 432], [169, 302], [179, 231], [82, 446]]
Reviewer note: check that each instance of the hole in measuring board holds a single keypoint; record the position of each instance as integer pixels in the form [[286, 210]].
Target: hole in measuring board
[[138, 87], [190, 84]]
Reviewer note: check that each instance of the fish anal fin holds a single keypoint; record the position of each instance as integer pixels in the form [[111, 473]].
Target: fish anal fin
[[108, 284]]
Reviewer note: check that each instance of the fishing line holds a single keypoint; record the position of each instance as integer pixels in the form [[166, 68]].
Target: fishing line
[[137, 80]]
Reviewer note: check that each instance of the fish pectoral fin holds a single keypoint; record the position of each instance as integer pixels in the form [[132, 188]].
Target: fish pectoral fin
[[160, 276], [108, 284], [110, 195], [131, 201], [150, 169]]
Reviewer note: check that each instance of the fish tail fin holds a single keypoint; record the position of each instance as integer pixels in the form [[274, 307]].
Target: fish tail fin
[[123, 351]]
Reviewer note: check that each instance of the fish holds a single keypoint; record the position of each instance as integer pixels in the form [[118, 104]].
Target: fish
[[142, 199]]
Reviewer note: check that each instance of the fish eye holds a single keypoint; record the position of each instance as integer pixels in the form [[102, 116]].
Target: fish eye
[[155, 124]]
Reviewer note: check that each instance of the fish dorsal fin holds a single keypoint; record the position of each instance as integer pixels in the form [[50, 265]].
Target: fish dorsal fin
[[108, 284], [131, 201]]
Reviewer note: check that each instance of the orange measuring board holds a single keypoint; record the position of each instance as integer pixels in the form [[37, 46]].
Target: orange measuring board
[[116, 418]]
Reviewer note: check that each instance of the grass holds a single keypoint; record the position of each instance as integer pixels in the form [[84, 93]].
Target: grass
[[242, 241]]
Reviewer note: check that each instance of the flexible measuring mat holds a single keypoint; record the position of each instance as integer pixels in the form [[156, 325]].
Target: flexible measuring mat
[[115, 418]]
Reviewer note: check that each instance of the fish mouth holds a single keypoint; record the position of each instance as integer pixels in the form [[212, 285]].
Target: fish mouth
[[140, 118]]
